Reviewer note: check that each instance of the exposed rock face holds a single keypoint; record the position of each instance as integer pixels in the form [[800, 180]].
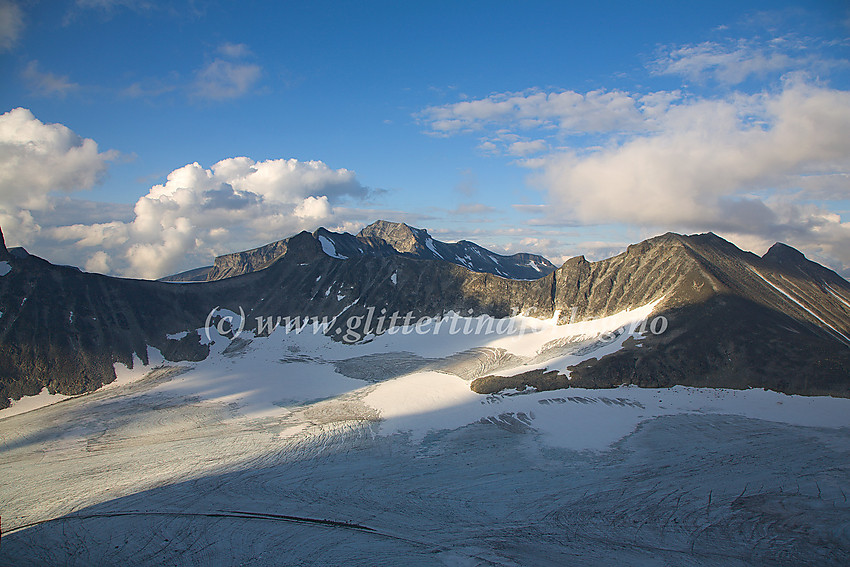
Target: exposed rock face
[[194, 275], [248, 261], [401, 237], [735, 320], [63, 329], [382, 239]]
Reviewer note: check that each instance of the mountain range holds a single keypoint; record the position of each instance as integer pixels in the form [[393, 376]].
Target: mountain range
[[732, 319], [381, 239]]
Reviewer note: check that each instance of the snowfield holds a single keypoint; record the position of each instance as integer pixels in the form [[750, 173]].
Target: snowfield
[[294, 449]]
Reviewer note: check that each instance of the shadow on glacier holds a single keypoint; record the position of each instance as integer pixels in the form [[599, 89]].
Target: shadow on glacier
[[684, 490]]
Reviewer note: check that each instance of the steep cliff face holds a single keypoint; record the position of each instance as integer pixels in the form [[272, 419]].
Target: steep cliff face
[[659, 267], [239, 263]]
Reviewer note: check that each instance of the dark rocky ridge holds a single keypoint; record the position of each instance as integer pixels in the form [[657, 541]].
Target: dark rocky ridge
[[383, 238], [729, 326]]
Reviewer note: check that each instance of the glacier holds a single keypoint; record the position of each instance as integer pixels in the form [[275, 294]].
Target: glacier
[[296, 449]]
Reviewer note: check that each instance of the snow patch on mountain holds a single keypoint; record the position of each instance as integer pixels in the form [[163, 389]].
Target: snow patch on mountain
[[796, 301], [837, 296], [429, 243], [329, 248], [5, 268]]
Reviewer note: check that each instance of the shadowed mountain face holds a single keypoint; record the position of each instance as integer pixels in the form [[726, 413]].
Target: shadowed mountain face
[[735, 320], [383, 238]]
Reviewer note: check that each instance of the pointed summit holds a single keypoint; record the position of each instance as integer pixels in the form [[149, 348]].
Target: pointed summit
[[793, 262], [784, 255], [4, 252]]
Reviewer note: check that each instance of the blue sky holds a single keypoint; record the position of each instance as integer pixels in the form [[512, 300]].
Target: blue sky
[[142, 138]]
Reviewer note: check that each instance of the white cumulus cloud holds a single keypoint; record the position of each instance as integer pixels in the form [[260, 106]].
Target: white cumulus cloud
[[182, 223], [237, 201], [38, 158], [201, 212], [739, 165], [313, 208]]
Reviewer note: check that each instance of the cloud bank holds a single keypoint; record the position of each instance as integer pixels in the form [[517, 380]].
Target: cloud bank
[[756, 167], [198, 212]]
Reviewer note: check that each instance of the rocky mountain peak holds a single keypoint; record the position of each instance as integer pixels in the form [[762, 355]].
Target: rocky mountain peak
[[4, 253], [792, 262], [784, 255], [302, 247], [402, 237]]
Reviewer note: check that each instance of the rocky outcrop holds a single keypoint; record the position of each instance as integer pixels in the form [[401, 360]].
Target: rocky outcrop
[[403, 238], [239, 263]]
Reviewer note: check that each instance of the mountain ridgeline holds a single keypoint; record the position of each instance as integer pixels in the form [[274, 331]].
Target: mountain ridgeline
[[381, 239], [735, 319]]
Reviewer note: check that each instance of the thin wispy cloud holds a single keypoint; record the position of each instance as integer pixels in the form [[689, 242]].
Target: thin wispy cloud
[[234, 50], [148, 89], [222, 79], [735, 61], [11, 24], [571, 111], [227, 76], [108, 6], [45, 83]]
